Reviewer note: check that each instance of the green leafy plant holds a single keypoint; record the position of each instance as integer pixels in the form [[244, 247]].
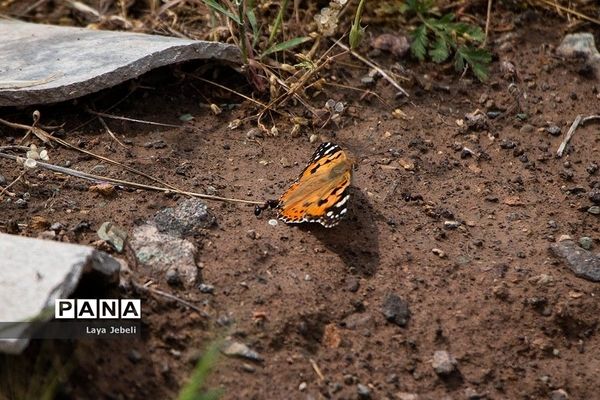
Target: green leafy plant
[[440, 37]]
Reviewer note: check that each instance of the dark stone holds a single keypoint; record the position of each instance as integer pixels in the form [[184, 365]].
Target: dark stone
[[395, 310], [582, 262]]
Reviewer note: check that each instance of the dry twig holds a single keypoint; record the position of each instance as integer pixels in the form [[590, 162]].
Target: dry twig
[[98, 178], [376, 67], [579, 120], [169, 296]]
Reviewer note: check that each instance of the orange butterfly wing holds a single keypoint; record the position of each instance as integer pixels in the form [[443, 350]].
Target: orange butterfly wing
[[320, 194]]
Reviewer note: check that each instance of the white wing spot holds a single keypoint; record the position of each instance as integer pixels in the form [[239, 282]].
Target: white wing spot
[[343, 201], [329, 150]]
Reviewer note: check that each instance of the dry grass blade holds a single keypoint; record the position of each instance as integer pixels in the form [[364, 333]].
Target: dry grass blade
[[40, 133], [579, 120], [555, 5], [140, 121], [243, 96], [5, 189], [46, 138], [299, 84], [371, 64], [112, 135], [135, 185]]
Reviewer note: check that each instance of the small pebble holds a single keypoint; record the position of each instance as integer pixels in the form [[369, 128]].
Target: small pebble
[[363, 391], [527, 128], [451, 224], [248, 368], [173, 277], [586, 242], [21, 203], [443, 363], [559, 394], [438, 252], [594, 210], [594, 195], [302, 386], [205, 288], [134, 356], [553, 130]]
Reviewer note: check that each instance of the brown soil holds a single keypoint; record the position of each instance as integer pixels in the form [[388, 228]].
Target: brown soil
[[514, 336]]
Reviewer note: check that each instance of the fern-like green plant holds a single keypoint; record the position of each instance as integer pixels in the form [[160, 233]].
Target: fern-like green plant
[[441, 37]]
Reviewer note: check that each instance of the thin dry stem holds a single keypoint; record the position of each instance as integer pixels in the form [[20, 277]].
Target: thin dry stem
[[99, 178]]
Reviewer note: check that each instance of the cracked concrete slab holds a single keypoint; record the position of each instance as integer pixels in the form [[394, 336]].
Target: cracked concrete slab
[[47, 64]]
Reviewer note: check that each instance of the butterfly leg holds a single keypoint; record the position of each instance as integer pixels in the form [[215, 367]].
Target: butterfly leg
[[268, 204]]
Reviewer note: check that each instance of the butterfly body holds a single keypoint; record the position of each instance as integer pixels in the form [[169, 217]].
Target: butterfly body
[[320, 194]]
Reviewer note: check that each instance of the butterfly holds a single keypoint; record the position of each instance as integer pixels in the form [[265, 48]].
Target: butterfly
[[320, 194]]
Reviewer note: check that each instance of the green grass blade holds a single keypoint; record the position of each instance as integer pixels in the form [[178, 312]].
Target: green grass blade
[[278, 22], [191, 391], [218, 7], [288, 44]]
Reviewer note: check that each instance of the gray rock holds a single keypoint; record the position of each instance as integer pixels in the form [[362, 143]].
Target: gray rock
[[582, 262], [188, 218], [595, 210], [2, 180], [443, 363], [238, 349], [363, 391], [46, 64], [113, 234], [35, 273], [395, 310], [161, 253], [581, 45]]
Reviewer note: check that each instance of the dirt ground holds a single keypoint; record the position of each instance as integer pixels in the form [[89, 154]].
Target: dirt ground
[[518, 322]]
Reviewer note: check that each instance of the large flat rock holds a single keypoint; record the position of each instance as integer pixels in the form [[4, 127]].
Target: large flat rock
[[34, 273], [47, 64]]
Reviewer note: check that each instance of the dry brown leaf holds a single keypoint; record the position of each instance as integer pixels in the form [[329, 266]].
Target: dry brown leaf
[[104, 189], [39, 223]]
